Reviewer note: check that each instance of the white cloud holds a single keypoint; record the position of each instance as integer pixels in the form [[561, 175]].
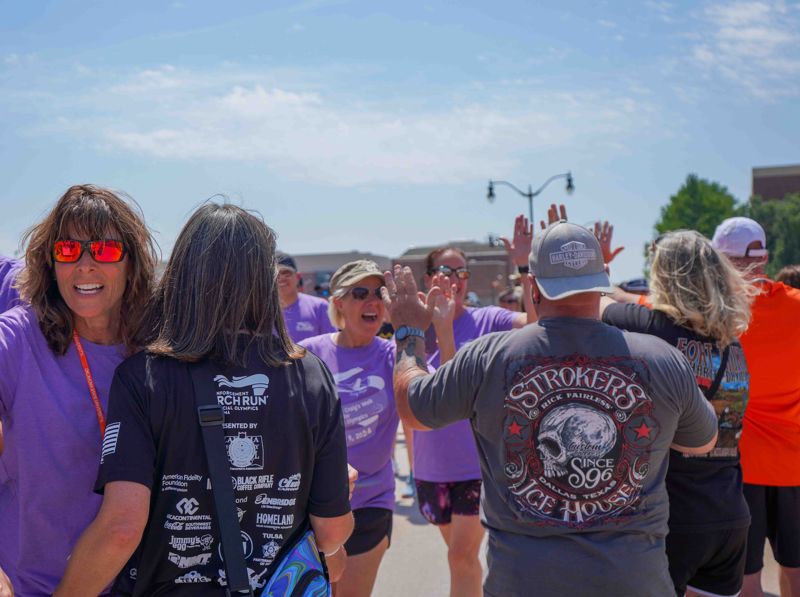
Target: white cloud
[[755, 44], [314, 133]]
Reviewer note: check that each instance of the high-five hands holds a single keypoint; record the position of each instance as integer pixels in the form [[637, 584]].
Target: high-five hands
[[604, 233], [520, 247], [555, 213]]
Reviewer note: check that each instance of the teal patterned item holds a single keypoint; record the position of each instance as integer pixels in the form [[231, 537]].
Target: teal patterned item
[[300, 573]]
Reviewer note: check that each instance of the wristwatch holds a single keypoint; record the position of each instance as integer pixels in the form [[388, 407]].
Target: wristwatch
[[404, 331], [523, 269]]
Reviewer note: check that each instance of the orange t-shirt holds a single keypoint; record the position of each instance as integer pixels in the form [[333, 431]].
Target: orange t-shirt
[[770, 443]]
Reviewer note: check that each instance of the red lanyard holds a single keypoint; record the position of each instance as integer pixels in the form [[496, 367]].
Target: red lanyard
[[98, 408]]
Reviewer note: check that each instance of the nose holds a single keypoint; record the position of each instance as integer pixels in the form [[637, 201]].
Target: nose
[[86, 261]]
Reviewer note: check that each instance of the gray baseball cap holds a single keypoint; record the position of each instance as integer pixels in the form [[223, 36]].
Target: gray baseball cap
[[567, 259]]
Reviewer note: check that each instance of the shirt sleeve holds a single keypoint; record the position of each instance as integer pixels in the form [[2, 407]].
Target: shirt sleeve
[[449, 394], [11, 340], [324, 322], [502, 319], [697, 422], [330, 491], [627, 316], [128, 451]]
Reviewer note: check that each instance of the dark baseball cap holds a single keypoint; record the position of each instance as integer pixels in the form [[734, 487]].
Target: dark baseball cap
[[567, 259], [285, 260]]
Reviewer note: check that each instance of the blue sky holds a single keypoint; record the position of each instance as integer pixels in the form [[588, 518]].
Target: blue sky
[[376, 125]]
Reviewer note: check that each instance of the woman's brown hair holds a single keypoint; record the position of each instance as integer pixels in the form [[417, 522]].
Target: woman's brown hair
[[92, 212], [219, 286]]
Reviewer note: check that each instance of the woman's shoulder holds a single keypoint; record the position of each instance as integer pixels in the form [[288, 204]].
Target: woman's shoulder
[[19, 322], [316, 342]]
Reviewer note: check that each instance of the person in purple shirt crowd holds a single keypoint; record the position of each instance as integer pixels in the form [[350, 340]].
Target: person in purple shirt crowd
[[446, 467], [88, 273], [9, 295], [362, 364], [305, 315]]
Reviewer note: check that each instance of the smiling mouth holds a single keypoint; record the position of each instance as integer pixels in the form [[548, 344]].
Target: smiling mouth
[[88, 289], [370, 317]]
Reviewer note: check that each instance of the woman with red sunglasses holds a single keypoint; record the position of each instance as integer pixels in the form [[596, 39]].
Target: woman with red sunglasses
[[87, 277]]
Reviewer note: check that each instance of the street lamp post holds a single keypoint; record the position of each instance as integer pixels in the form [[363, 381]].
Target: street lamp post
[[531, 193]]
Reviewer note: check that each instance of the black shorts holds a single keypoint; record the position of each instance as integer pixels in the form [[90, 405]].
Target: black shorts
[[711, 562], [371, 526], [775, 512], [439, 501]]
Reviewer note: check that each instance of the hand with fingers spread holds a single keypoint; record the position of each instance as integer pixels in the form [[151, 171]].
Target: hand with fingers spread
[[555, 213], [520, 247], [443, 301], [604, 233], [403, 302]]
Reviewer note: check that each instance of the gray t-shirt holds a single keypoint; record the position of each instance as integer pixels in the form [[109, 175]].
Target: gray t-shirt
[[573, 420]]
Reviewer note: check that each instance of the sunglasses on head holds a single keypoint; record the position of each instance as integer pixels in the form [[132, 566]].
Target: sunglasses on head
[[102, 251], [361, 294], [462, 273]]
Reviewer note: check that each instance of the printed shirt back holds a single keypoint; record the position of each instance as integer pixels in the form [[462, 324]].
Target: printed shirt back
[[705, 491], [573, 420], [286, 449]]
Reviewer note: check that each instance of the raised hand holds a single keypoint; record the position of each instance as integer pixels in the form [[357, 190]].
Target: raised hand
[[442, 300], [554, 214], [403, 303], [520, 247], [604, 233]]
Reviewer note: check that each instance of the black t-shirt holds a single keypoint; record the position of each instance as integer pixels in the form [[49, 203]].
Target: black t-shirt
[[286, 448], [705, 492]]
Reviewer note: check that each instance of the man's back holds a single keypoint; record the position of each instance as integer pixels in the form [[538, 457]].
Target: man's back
[[573, 421], [770, 441]]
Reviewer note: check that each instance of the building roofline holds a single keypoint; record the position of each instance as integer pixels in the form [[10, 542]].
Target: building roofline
[[770, 171]]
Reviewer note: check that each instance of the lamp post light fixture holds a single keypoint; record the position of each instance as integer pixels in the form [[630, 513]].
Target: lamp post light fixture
[[531, 193]]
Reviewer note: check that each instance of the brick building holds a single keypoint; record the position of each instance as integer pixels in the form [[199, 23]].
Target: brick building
[[775, 182]]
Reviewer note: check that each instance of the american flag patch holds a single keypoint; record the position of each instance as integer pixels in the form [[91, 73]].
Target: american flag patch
[[110, 440]]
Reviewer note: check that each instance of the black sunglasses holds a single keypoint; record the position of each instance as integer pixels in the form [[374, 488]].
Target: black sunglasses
[[361, 294], [462, 273]]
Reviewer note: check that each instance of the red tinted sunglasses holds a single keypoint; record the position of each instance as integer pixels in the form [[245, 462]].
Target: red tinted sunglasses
[[102, 251]]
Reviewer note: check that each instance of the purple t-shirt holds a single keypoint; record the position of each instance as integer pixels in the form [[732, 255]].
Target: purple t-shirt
[[9, 297], [363, 379], [449, 454], [307, 317], [52, 450]]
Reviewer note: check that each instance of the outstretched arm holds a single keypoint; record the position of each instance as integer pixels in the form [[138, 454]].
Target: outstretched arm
[[108, 543], [443, 313], [519, 250], [407, 308], [604, 233]]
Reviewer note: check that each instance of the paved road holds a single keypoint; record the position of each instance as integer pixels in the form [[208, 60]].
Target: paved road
[[416, 563]]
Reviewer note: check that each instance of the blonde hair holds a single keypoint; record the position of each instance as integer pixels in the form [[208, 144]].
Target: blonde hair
[[336, 318], [699, 288]]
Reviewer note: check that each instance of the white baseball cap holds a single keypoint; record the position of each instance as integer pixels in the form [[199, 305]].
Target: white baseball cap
[[734, 235]]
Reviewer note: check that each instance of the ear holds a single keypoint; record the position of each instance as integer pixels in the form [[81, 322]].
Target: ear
[[535, 293]]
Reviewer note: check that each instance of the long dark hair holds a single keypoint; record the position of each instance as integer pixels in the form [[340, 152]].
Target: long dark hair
[[92, 212], [219, 286]]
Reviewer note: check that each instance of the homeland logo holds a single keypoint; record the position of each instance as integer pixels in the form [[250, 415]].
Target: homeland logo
[[573, 255]]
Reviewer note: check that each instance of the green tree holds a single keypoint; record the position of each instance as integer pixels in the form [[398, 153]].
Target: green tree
[[780, 219], [698, 205]]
